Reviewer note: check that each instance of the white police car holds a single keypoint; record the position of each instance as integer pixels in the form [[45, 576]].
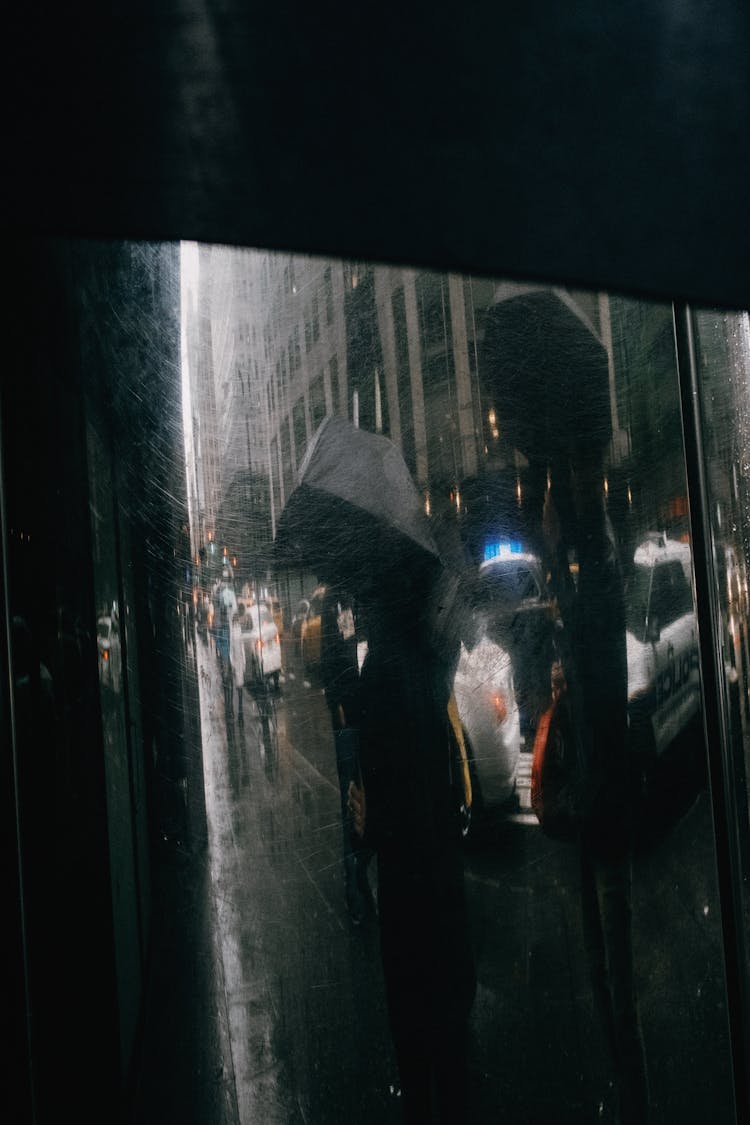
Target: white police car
[[662, 644]]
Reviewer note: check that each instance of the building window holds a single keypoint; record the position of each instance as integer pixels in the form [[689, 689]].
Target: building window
[[328, 290], [403, 380], [317, 402], [286, 457], [315, 319], [297, 349], [300, 429], [435, 327], [275, 482], [336, 404]]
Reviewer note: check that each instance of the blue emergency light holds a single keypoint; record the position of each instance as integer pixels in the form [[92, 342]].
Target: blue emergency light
[[502, 548]]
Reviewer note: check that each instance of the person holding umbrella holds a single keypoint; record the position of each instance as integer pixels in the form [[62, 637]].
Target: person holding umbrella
[[549, 375], [357, 517], [406, 810]]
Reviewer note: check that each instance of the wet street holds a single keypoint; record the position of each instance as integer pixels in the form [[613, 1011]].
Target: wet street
[[272, 1004]]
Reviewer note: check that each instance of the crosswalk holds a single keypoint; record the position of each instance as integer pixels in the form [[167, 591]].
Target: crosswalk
[[524, 815], [523, 780]]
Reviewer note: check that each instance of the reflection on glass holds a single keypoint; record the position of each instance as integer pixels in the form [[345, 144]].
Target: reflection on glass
[[537, 457], [723, 381], [404, 613]]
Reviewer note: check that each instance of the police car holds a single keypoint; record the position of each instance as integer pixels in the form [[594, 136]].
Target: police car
[[662, 644]]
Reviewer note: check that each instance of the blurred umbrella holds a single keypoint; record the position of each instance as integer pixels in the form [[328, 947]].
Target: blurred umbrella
[[547, 375], [357, 519], [355, 505]]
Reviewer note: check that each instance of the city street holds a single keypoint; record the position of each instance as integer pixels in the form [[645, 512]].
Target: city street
[[302, 1030]]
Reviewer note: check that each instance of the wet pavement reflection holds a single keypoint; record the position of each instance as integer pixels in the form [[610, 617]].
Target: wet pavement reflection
[[309, 1037], [294, 1025]]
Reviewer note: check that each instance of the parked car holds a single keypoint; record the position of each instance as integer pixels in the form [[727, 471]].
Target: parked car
[[310, 630], [522, 619], [662, 644], [110, 653], [485, 696], [262, 644]]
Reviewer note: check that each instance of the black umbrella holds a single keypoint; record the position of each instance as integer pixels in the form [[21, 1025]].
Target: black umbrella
[[355, 504], [357, 519], [547, 375]]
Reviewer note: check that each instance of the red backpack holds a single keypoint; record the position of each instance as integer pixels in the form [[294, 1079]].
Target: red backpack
[[556, 774]]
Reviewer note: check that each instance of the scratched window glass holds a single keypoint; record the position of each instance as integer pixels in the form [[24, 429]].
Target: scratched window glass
[[464, 754], [388, 620]]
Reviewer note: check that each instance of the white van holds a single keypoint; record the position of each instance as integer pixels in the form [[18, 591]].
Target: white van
[[664, 691]]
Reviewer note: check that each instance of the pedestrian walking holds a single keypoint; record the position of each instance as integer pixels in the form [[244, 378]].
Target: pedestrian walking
[[357, 518], [406, 810], [225, 608], [237, 658], [205, 613]]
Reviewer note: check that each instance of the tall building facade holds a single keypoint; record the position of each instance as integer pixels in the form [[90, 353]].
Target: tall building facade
[[396, 351], [228, 451], [284, 340]]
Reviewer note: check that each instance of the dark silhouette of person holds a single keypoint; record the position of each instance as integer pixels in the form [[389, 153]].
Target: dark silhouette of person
[[595, 667], [340, 636], [550, 379], [407, 811]]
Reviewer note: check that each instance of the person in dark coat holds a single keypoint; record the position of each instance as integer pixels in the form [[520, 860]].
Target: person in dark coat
[[339, 640], [595, 660], [407, 811]]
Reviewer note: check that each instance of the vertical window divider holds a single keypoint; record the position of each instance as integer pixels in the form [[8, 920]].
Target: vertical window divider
[[715, 713]]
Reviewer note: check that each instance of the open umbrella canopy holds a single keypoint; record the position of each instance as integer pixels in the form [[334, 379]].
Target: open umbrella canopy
[[357, 519], [548, 376], [355, 506]]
